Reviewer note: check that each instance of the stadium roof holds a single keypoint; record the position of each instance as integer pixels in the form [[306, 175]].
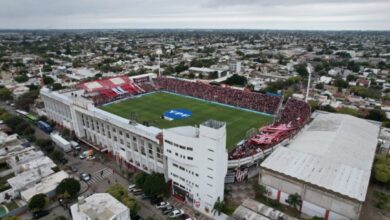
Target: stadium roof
[[334, 151]]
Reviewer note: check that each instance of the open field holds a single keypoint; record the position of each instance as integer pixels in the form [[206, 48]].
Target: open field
[[150, 107]]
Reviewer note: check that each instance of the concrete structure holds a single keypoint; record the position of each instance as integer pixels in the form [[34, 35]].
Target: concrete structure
[[99, 206], [253, 210], [46, 185], [328, 164], [197, 163], [131, 144]]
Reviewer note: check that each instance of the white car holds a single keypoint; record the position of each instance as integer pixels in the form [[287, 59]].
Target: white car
[[176, 213], [161, 205], [192, 218], [131, 188]]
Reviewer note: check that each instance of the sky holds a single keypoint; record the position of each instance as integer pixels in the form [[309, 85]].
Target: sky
[[209, 14]]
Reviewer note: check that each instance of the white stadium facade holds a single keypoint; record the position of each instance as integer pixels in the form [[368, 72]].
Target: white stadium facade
[[327, 160]]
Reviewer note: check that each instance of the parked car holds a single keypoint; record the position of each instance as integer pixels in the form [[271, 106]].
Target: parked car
[[131, 188], [40, 214], [85, 177], [191, 218], [75, 145], [167, 209], [176, 213], [137, 192], [161, 205]]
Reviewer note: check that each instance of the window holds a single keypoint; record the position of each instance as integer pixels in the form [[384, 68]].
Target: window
[[211, 150], [190, 158], [189, 148], [209, 177], [210, 159]]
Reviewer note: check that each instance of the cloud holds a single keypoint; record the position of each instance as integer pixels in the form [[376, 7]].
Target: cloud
[[258, 14]]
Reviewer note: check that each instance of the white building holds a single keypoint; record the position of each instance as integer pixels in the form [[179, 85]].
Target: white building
[[328, 164], [197, 163], [99, 206], [132, 144]]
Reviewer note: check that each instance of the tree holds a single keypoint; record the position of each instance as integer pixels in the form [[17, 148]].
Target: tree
[[382, 169], [70, 186], [48, 80], [120, 193], [259, 189], [57, 155], [60, 218], [46, 68], [38, 202], [140, 179], [21, 78], [218, 207], [154, 185], [5, 94], [376, 115], [56, 86], [24, 101], [319, 86], [294, 200], [301, 70], [236, 80]]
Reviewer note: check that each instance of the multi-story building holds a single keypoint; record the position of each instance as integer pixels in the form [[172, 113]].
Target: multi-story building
[[195, 158], [131, 144], [197, 163]]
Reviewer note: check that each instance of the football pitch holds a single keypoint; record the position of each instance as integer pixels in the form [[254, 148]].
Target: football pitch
[[150, 107]]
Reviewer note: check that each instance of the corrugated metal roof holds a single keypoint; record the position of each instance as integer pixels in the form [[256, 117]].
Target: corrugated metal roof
[[334, 151]]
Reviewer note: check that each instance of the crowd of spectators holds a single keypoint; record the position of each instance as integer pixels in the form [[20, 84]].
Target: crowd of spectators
[[294, 115], [235, 97]]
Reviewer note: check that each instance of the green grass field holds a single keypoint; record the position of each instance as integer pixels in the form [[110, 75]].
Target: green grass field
[[150, 108]]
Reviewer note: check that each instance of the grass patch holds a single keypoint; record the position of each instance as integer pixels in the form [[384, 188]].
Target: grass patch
[[150, 107]]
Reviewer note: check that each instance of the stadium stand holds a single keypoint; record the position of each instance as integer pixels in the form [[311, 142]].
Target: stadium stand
[[244, 99], [293, 117], [110, 89]]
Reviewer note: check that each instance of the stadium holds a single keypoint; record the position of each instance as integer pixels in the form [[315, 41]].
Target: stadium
[[255, 122], [164, 125]]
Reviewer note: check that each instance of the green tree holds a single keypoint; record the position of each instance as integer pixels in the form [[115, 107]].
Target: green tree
[[60, 218], [48, 80], [57, 155], [294, 200], [154, 185], [38, 202], [24, 101], [21, 78], [56, 86], [301, 70], [218, 207], [70, 186], [140, 179], [382, 169], [120, 193], [5, 94], [236, 80], [376, 115]]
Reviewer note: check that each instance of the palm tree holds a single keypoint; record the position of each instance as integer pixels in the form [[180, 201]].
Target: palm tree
[[218, 206], [294, 200]]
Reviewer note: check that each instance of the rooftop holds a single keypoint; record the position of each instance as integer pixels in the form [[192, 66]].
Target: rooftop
[[332, 145], [99, 206]]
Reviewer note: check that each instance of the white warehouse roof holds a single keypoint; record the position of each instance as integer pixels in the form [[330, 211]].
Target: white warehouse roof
[[334, 151]]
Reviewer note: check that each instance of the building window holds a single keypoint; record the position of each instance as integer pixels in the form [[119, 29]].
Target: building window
[[210, 159], [211, 150], [190, 158]]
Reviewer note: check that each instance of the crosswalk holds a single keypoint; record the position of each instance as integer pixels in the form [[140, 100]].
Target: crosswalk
[[100, 175]]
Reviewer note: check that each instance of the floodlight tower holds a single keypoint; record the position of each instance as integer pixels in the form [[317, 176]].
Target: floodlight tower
[[159, 52], [308, 68]]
